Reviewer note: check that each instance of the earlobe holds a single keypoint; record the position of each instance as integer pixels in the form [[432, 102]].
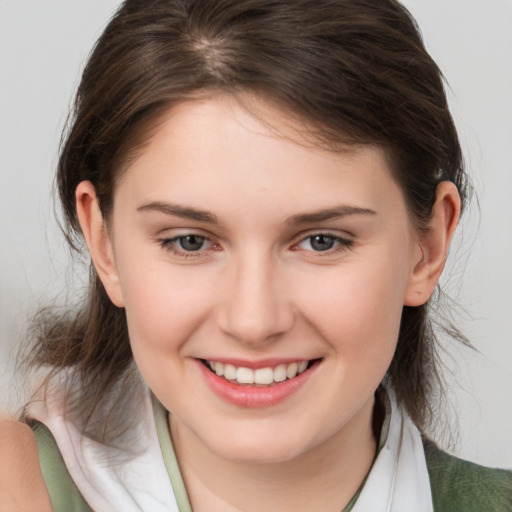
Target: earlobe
[[98, 240], [433, 245]]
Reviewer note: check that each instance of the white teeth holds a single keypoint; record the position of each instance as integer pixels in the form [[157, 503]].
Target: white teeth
[[245, 376], [264, 376], [261, 376], [280, 373], [229, 372], [291, 371], [219, 369]]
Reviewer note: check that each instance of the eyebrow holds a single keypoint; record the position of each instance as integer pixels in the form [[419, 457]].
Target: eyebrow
[[328, 214], [185, 212]]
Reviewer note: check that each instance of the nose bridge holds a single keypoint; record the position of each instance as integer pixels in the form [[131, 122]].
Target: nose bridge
[[256, 308]]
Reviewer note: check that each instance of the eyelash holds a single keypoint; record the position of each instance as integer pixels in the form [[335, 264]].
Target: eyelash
[[171, 245]]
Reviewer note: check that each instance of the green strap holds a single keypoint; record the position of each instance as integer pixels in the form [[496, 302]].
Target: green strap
[[169, 455], [64, 495]]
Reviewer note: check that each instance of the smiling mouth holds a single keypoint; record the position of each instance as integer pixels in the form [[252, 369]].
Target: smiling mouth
[[261, 377]]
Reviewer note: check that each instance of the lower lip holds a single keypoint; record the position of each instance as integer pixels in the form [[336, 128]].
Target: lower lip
[[251, 396]]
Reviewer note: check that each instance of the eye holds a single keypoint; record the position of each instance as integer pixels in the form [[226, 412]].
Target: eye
[[187, 245], [323, 242], [190, 243]]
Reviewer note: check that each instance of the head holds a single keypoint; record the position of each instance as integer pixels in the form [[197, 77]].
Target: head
[[352, 73]]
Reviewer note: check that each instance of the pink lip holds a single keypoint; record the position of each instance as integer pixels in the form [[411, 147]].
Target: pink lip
[[252, 396]]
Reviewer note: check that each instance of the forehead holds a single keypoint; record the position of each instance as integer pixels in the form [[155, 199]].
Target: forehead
[[258, 112], [212, 149]]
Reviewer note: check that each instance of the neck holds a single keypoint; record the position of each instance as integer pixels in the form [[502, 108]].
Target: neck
[[325, 477]]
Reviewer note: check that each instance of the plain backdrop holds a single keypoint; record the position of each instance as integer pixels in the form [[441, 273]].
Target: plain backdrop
[[43, 46]]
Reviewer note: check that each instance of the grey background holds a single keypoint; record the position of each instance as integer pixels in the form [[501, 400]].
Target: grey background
[[43, 46]]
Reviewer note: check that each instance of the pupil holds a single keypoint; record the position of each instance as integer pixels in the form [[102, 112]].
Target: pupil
[[322, 242], [191, 242]]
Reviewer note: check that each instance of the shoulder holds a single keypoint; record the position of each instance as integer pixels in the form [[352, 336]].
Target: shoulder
[[22, 487], [462, 486]]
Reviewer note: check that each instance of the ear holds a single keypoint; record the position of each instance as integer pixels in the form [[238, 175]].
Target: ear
[[98, 240], [433, 244]]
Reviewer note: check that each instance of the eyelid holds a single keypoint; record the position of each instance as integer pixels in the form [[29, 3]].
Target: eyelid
[[345, 235]]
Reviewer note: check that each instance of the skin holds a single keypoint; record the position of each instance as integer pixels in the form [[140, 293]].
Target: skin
[[22, 487], [257, 289]]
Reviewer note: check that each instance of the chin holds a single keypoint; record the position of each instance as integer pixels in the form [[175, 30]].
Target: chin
[[263, 446], [258, 455]]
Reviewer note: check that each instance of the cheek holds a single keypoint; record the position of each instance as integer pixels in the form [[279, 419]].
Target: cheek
[[358, 309], [163, 304]]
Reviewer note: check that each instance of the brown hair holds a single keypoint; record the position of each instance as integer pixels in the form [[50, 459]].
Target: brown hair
[[356, 70]]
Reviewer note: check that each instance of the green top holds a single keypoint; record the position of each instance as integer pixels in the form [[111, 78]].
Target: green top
[[457, 485], [461, 486]]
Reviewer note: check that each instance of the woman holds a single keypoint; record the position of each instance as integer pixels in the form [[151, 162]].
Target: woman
[[268, 191]]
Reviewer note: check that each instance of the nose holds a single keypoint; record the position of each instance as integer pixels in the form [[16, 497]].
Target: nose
[[256, 308]]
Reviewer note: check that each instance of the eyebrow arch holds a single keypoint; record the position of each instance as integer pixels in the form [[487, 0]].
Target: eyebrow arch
[[328, 214], [177, 210]]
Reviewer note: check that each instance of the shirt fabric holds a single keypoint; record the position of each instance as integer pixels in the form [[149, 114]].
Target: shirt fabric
[[456, 485]]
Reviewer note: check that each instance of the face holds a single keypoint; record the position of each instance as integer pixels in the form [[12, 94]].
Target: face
[[280, 265]]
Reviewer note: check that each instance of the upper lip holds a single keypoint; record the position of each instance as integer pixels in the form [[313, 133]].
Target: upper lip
[[262, 363]]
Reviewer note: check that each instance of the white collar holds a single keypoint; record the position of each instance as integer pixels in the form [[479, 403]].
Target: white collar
[[398, 480]]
